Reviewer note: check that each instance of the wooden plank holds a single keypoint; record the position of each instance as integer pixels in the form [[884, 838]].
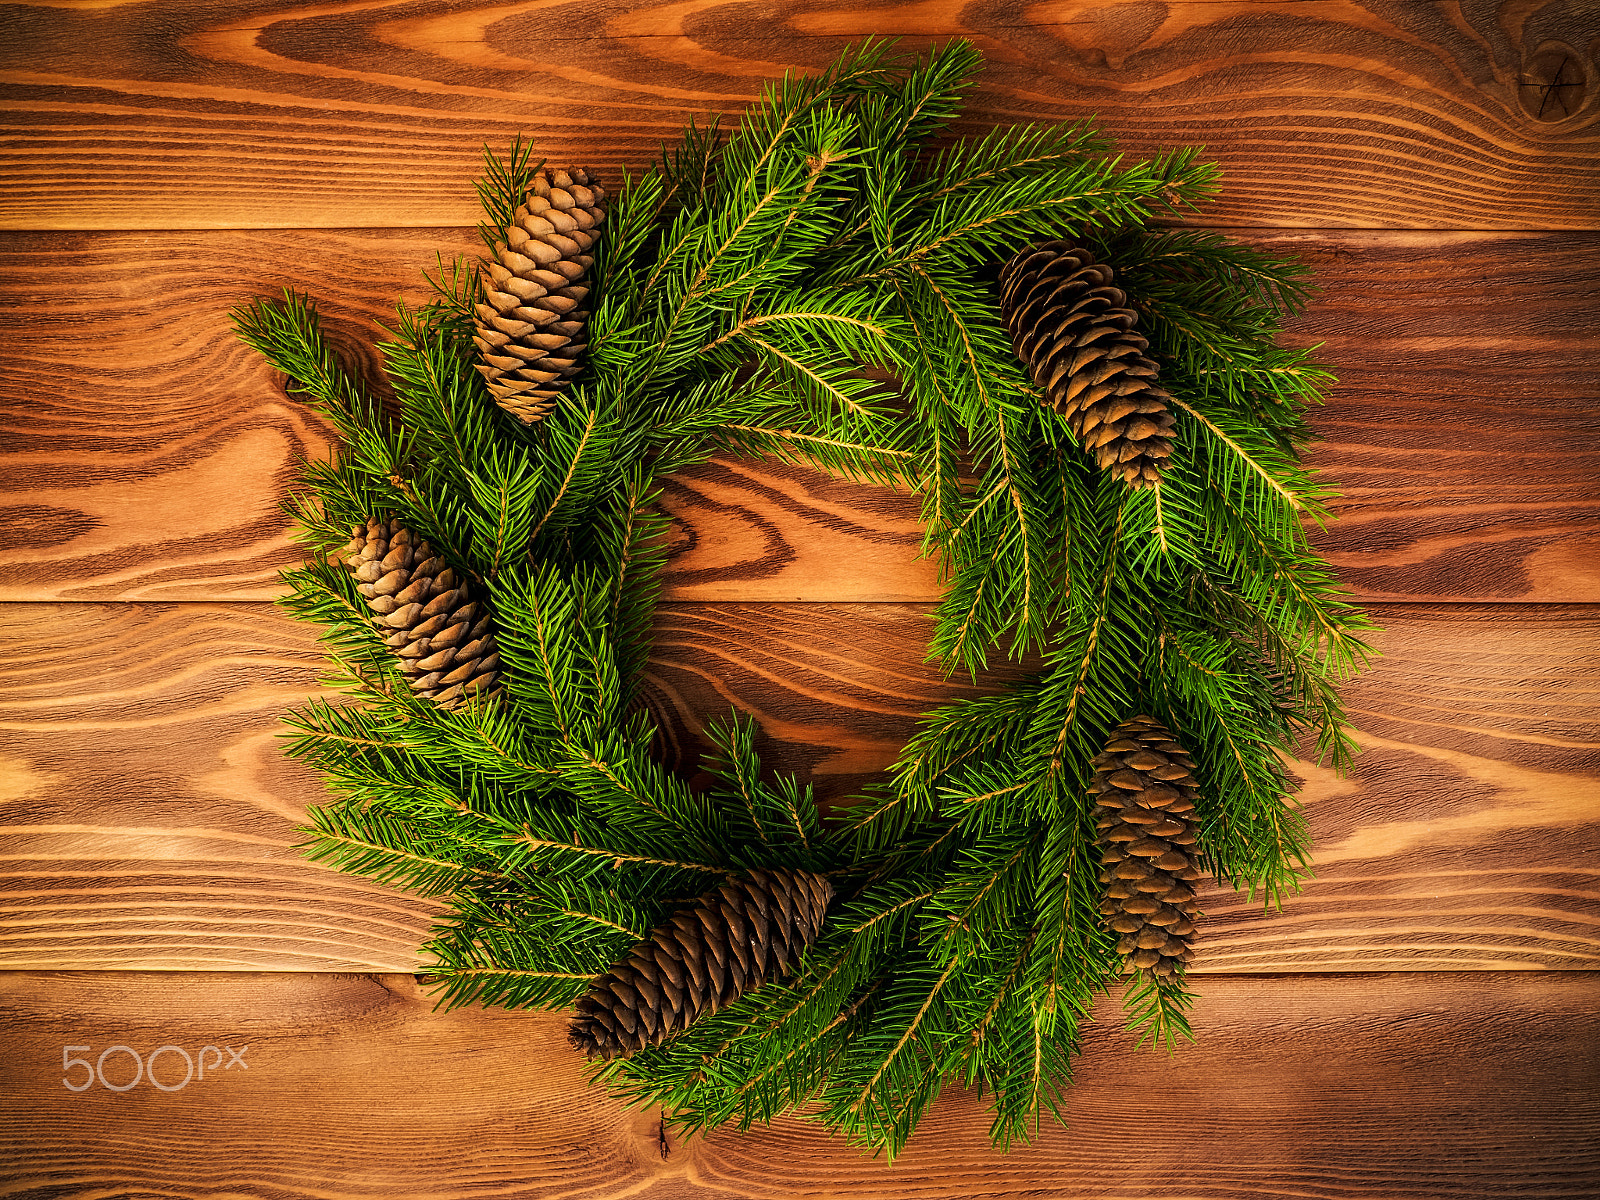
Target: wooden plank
[[151, 813], [150, 816], [1392, 114], [1464, 432], [1463, 838], [1466, 436], [177, 496], [1405, 1087], [1477, 792]]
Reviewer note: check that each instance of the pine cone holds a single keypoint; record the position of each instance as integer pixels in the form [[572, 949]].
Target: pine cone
[[1077, 336], [530, 323], [703, 958], [443, 638], [1144, 785]]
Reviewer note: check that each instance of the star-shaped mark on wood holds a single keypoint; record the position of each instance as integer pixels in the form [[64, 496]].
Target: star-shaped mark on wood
[[1558, 92]]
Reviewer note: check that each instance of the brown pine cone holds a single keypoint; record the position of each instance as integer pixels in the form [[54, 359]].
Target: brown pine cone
[[443, 638], [703, 958], [1144, 786], [530, 322], [1078, 337]]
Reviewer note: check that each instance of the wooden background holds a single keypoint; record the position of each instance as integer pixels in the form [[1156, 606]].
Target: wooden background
[[1424, 1021]]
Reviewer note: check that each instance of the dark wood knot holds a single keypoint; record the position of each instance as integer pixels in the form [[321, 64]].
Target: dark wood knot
[[1554, 83]]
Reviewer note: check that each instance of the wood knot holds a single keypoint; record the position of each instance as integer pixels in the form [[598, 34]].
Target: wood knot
[[1554, 83]]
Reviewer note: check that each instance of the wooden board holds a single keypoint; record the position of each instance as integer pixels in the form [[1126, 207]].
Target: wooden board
[[1399, 1087], [1398, 114], [1465, 430], [150, 815], [1463, 838]]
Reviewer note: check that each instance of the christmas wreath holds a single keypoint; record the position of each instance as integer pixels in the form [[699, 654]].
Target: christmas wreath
[[1106, 441]]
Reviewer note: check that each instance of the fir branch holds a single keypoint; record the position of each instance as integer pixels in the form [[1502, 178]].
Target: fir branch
[[1158, 1012], [503, 188], [388, 850], [616, 858]]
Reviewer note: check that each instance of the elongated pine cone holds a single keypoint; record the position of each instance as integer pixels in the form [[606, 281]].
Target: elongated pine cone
[[1144, 785], [531, 319], [1079, 339], [704, 957], [443, 638]]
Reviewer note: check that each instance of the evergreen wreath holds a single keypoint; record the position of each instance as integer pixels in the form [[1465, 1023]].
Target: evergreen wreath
[[1106, 441]]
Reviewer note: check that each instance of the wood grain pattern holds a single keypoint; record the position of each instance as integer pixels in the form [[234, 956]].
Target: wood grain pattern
[[150, 813], [150, 816], [147, 816], [1404, 1087], [1478, 789], [1392, 113], [749, 529], [1465, 431], [149, 463], [1464, 838]]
